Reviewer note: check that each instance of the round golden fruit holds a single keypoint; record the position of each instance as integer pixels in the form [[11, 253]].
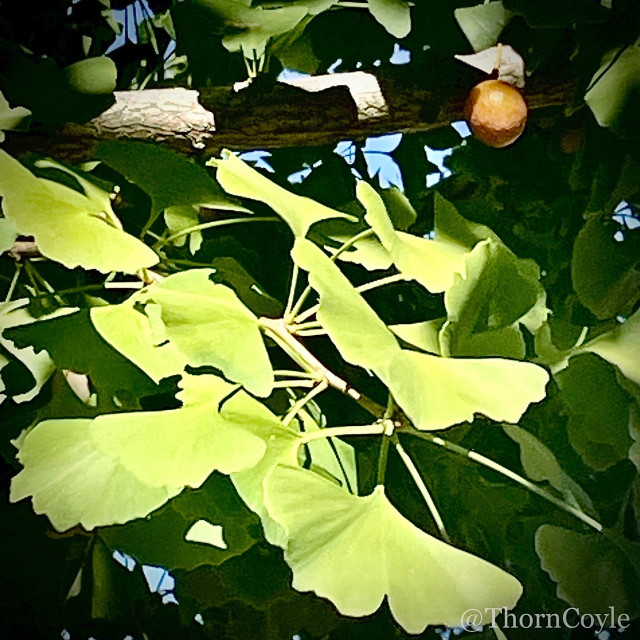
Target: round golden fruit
[[496, 113]]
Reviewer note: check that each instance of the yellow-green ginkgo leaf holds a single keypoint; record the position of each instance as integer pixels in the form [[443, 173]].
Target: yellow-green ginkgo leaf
[[69, 227], [282, 448], [129, 331], [73, 482], [209, 324], [356, 551], [431, 263], [358, 333], [206, 533], [621, 347], [438, 392], [239, 179], [182, 447]]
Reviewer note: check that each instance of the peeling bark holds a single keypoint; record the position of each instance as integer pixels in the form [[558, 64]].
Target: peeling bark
[[306, 112]]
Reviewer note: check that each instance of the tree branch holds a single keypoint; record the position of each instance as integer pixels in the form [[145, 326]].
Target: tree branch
[[303, 112]]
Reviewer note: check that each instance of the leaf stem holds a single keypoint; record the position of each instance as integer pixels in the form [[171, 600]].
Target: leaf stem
[[361, 289], [292, 292], [382, 459], [318, 388], [14, 282], [298, 382], [377, 428], [349, 243], [495, 466], [213, 224], [422, 488]]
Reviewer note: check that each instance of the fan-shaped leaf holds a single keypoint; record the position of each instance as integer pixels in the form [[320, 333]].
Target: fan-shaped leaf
[[68, 227], [356, 551]]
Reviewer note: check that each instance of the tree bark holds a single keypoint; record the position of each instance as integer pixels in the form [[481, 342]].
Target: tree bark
[[307, 112]]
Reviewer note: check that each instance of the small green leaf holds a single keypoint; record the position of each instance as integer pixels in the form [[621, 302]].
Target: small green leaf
[[604, 272], [8, 234], [92, 75], [482, 23], [81, 234], [591, 571], [239, 179], [167, 176], [393, 15], [356, 551], [438, 392], [614, 96], [540, 464], [367, 342], [209, 324], [599, 420]]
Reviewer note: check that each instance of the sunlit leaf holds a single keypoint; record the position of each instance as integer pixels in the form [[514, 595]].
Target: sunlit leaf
[[438, 392], [431, 263], [81, 235], [73, 482], [423, 335], [209, 324], [621, 347], [282, 448], [485, 305], [39, 363], [8, 234], [239, 179], [183, 446], [356, 551], [393, 15], [128, 330], [366, 342], [10, 118]]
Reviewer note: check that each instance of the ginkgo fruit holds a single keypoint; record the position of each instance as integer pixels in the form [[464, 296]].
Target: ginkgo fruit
[[496, 111]]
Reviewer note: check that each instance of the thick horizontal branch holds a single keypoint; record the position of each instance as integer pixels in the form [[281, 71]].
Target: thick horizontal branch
[[307, 112]]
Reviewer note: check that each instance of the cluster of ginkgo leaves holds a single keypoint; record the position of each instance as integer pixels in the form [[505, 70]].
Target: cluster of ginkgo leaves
[[344, 541]]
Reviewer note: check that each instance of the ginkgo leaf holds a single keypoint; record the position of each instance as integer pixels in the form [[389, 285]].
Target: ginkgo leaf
[[181, 447], [209, 324], [393, 15], [438, 392], [283, 444], [70, 463], [367, 342], [239, 179], [15, 314], [431, 263], [8, 234], [423, 335], [68, 227], [356, 551], [73, 482], [129, 331], [482, 23], [620, 346], [168, 177]]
